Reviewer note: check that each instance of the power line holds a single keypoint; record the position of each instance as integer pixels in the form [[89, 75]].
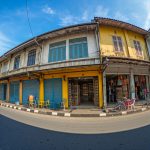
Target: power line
[[28, 18], [27, 11]]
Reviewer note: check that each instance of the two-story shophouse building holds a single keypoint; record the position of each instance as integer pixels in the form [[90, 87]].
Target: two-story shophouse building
[[63, 64], [128, 70]]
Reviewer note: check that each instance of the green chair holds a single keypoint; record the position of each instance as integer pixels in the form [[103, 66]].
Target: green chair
[[40, 104], [47, 103]]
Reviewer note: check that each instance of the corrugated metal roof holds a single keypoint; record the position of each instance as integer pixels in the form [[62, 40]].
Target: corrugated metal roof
[[120, 24]]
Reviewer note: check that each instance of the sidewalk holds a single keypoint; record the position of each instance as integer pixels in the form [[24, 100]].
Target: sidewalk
[[91, 112]]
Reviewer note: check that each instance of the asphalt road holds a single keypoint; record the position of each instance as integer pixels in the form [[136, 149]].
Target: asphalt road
[[16, 134]]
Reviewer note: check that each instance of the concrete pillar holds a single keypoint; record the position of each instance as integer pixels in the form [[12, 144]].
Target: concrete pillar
[[8, 91], [147, 83], [20, 92], [100, 81], [41, 94], [65, 91], [67, 49], [132, 84], [104, 89]]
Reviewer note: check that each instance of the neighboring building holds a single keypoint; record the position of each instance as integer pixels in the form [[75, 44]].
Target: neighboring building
[[148, 42], [64, 65], [71, 64], [127, 74]]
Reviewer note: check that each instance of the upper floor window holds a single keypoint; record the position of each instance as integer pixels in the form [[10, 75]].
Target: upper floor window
[[78, 48], [5, 67], [57, 51], [16, 62], [117, 43], [31, 57], [137, 47]]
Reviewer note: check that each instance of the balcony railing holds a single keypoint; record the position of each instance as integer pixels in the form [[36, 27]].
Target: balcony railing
[[54, 65]]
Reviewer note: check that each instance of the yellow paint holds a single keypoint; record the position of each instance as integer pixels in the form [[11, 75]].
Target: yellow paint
[[107, 46], [41, 94], [65, 91], [20, 92], [64, 74], [106, 42], [8, 91], [80, 72], [132, 50], [127, 40], [100, 80], [4, 81]]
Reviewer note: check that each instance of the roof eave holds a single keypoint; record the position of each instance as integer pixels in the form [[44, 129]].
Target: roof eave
[[51, 34], [120, 24]]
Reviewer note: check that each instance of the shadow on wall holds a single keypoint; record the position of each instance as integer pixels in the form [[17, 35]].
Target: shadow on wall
[[18, 136]]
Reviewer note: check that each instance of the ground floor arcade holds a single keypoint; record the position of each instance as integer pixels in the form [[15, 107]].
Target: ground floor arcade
[[86, 86], [126, 79], [80, 86]]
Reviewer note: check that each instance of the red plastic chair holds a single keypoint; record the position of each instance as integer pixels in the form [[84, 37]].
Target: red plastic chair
[[130, 103]]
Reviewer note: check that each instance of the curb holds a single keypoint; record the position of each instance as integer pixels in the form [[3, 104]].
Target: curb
[[67, 114]]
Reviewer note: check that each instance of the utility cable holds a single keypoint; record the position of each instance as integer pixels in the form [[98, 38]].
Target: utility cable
[[27, 11], [29, 23]]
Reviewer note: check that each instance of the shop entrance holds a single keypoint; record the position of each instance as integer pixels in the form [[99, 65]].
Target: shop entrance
[[140, 87], [82, 91], [117, 87], [5, 91]]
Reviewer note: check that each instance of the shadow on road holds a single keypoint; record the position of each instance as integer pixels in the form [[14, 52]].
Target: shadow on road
[[18, 136]]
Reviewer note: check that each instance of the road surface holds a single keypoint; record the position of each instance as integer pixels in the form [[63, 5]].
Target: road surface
[[24, 131]]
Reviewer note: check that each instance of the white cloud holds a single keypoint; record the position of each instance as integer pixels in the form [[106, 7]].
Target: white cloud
[[135, 16], [48, 10], [5, 43], [85, 16], [147, 19], [119, 16], [101, 11], [69, 20]]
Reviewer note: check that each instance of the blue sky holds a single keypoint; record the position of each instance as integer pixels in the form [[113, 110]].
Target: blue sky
[[46, 15]]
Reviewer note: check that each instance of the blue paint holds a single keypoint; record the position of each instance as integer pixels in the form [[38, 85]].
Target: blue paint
[[14, 92], [78, 48], [57, 51], [3, 91], [30, 87], [53, 91]]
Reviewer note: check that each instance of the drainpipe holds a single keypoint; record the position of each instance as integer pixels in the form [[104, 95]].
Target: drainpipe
[[148, 47], [98, 40]]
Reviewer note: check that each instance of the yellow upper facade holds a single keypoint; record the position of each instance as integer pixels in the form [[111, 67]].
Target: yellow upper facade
[[128, 40]]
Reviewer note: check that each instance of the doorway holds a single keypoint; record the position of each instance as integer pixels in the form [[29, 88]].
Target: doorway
[[5, 91], [86, 91], [83, 91]]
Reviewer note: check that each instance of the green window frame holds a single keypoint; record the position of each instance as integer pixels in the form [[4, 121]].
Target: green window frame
[[17, 62], [57, 51], [31, 58], [78, 48]]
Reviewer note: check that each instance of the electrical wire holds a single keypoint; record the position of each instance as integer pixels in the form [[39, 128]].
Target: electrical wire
[[29, 23], [27, 12]]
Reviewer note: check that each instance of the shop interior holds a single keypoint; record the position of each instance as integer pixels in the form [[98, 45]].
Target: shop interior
[[140, 87], [117, 87], [83, 91]]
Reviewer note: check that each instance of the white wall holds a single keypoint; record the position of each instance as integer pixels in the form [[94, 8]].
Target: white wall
[[42, 57], [91, 40], [5, 66]]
